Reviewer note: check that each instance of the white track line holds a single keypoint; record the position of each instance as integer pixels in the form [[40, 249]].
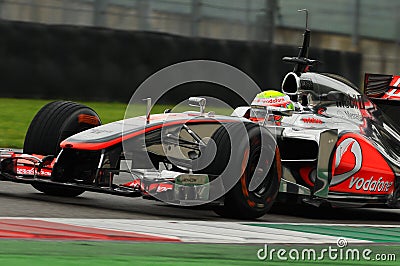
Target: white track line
[[206, 231]]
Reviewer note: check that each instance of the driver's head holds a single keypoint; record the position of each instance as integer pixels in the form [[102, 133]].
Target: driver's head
[[269, 98]]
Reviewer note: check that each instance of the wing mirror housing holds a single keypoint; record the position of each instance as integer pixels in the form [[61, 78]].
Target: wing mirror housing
[[198, 102]]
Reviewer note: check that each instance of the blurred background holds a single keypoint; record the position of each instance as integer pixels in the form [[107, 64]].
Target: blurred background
[[351, 36]]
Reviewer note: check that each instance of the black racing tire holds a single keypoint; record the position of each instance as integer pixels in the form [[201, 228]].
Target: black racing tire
[[53, 123], [239, 202]]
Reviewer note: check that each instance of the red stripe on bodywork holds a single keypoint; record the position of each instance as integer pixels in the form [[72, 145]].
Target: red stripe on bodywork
[[38, 229], [102, 145]]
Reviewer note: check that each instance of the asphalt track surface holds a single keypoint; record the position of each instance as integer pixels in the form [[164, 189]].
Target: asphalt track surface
[[21, 200]]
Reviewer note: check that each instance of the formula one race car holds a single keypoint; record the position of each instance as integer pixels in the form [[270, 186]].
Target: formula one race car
[[329, 145]]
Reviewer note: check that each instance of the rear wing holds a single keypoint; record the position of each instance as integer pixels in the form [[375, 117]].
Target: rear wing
[[382, 86], [384, 91]]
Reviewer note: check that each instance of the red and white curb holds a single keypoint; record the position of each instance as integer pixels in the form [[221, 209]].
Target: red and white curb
[[155, 230], [27, 228]]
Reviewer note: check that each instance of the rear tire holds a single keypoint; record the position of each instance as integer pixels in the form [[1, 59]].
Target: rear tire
[[239, 202], [53, 123]]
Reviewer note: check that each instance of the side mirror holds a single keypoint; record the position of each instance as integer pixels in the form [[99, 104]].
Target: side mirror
[[198, 102]]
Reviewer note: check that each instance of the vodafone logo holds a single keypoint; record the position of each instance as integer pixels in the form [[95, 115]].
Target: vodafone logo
[[348, 145], [269, 100], [370, 184], [357, 167]]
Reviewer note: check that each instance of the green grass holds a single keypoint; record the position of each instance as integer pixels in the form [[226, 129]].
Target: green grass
[[16, 115], [30, 252]]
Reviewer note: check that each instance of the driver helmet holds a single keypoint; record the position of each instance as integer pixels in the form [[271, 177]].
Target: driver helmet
[[269, 98]]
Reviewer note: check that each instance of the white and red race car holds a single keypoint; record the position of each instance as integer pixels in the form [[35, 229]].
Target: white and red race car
[[337, 147]]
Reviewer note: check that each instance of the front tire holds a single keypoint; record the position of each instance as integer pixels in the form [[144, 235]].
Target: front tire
[[53, 123], [239, 201]]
